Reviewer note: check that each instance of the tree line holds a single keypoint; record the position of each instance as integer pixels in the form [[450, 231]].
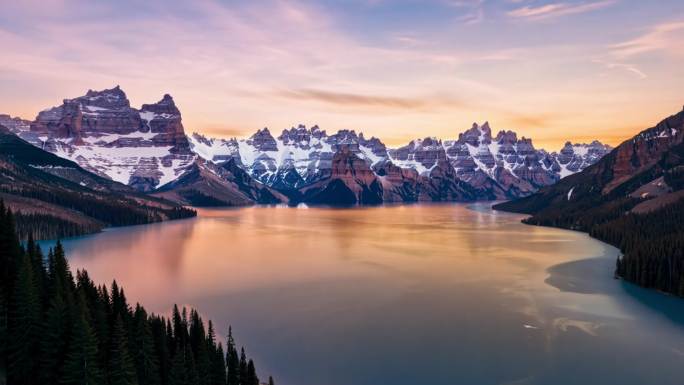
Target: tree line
[[652, 243], [63, 329]]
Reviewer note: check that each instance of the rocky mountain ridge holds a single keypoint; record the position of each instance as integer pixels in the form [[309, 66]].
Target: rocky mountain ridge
[[500, 167], [148, 149]]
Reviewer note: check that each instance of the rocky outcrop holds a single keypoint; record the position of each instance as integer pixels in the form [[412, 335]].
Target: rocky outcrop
[[351, 182], [100, 131]]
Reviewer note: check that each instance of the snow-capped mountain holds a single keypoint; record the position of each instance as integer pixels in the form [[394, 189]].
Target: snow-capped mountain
[[499, 167], [296, 158], [148, 149], [145, 148]]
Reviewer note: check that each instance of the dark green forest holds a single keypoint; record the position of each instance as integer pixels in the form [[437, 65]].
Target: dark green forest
[[652, 244], [56, 328]]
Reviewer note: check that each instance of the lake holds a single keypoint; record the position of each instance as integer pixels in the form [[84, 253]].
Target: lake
[[414, 294]]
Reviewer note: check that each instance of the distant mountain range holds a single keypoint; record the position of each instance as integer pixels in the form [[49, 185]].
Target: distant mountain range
[[148, 149], [632, 198]]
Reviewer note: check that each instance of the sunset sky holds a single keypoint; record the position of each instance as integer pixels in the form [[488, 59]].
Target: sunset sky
[[396, 69]]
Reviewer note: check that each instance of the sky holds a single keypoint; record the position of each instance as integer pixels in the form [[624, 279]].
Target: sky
[[552, 70]]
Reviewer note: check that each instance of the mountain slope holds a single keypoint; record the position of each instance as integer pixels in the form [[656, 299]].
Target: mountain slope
[[632, 198], [100, 131], [205, 184], [59, 198]]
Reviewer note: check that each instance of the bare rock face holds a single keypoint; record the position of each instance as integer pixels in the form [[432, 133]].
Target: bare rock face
[[100, 131], [645, 149], [351, 182]]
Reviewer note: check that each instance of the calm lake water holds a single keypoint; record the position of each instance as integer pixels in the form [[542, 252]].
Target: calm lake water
[[419, 294]]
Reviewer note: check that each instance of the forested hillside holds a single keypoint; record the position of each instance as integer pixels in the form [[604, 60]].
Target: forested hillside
[[633, 198], [54, 197], [59, 329]]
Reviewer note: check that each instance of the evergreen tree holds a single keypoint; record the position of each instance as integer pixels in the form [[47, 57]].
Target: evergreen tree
[[243, 368], [218, 376], [142, 346], [39, 273], [198, 343], [232, 360], [252, 378], [270, 381], [10, 250], [121, 369], [24, 326], [178, 374], [81, 365], [54, 333], [3, 339], [218, 362]]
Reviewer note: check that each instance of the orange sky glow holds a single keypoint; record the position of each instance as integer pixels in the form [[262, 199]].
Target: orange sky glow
[[398, 70]]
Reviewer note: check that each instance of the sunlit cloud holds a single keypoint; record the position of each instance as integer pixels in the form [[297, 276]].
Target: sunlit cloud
[[630, 68], [668, 37], [554, 10], [371, 101], [394, 69]]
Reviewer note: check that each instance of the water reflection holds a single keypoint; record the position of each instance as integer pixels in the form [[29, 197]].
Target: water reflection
[[418, 294]]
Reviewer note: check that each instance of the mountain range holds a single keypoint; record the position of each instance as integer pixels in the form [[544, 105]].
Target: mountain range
[[148, 150]]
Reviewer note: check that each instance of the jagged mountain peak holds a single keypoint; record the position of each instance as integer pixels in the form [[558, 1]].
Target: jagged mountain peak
[[164, 106], [107, 98], [476, 135]]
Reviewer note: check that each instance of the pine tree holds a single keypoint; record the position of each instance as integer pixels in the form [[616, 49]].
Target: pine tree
[[252, 378], [10, 250], [243, 368], [121, 369], [142, 346], [198, 344], [39, 273], [24, 326], [81, 365], [52, 346], [270, 381], [219, 367], [3, 339], [232, 360], [218, 362], [178, 374]]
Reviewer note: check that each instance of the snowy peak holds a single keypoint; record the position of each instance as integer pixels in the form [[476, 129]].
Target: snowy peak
[[476, 135], [576, 157], [262, 140], [100, 131]]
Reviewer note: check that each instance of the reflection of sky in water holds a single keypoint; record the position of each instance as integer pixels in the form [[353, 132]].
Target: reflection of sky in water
[[438, 294]]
